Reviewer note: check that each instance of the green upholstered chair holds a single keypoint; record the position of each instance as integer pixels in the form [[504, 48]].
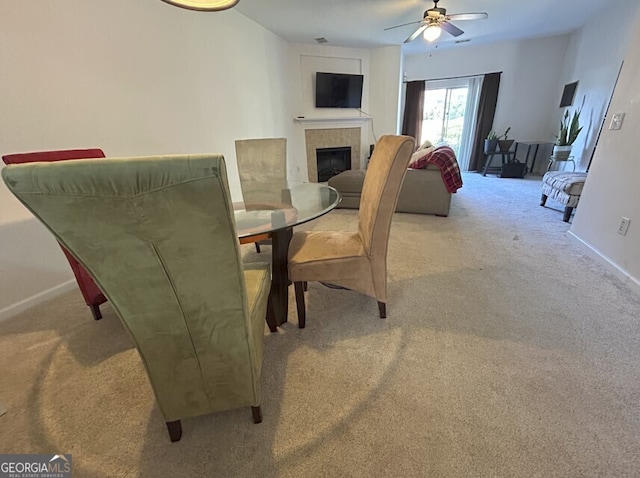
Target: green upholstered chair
[[356, 260], [158, 236]]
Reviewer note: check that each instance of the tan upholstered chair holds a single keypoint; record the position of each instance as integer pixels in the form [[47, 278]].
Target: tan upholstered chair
[[194, 311], [263, 159], [356, 260]]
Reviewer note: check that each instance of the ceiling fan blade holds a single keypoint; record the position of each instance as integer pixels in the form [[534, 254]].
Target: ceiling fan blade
[[452, 29], [403, 25], [416, 34], [468, 16]]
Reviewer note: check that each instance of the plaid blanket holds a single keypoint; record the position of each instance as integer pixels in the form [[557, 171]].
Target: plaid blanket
[[445, 160]]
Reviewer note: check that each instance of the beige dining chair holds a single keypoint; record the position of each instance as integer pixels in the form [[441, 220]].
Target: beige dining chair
[[261, 159], [195, 312], [356, 260]]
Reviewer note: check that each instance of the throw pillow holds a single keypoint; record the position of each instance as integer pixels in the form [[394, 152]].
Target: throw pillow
[[419, 158], [425, 145]]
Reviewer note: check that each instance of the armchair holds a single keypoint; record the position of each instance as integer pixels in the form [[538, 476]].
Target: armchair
[[195, 313]]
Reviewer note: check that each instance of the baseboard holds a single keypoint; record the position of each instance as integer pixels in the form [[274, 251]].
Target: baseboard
[[619, 272], [29, 302]]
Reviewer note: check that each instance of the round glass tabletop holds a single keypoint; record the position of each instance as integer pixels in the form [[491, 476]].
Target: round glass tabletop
[[270, 206]]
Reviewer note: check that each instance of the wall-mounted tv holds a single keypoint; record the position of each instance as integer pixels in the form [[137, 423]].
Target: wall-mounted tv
[[338, 90], [568, 94]]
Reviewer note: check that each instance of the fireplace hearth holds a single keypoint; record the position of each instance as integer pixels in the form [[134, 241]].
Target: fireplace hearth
[[332, 161]]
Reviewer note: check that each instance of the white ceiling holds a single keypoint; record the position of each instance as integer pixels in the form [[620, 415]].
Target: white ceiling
[[361, 23]]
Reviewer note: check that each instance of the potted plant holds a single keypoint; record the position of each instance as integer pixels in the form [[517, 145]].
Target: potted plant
[[491, 143], [504, 143], [569, 130]]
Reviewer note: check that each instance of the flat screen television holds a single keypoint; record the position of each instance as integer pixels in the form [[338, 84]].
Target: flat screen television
[[568, 94], [338, 90]]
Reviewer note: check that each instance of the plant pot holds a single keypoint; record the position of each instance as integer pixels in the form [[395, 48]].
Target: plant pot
[[505, 144], [561, 153], [490, 145]]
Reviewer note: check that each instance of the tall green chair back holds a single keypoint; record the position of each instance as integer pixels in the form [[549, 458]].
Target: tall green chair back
[[158, 236]]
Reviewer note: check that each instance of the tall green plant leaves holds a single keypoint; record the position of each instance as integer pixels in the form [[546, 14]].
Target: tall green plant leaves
[[569, 128], [575, 128]]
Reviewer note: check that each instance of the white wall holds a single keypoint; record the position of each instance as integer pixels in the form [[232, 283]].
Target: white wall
[[386, 88], [381, 68], [611, 190], [593, 58], [307, 60], [529, 85], [133, 78]]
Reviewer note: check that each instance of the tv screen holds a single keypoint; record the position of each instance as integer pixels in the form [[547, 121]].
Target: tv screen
[[568, 93], [338, 90]]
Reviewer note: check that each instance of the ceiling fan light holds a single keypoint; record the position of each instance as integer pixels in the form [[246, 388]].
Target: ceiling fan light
[[432, 32], [203, 5]]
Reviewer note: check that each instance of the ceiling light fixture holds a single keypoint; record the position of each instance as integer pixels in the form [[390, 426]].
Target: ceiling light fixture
[[203, 5], [432, 32]]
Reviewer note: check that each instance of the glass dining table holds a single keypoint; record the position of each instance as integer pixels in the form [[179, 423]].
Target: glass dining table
[[270, 209]]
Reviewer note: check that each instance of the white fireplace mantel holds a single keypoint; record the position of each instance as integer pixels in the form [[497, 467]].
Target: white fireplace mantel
[[331, 119]]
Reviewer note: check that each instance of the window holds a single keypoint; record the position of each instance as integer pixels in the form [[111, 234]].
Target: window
[[450, 108]]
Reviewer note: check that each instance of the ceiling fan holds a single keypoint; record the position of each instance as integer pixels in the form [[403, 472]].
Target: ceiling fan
[[436, 19]]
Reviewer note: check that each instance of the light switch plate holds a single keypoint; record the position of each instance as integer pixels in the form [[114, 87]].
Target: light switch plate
[[624, 226], [616, 121]]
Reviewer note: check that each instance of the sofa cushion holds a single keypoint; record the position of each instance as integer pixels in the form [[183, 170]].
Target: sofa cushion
[[349, 181]]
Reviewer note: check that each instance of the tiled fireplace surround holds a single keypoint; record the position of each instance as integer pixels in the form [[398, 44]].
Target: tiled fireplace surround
[[331, 138]]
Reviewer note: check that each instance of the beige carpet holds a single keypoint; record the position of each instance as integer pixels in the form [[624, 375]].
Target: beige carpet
[[507, 352]]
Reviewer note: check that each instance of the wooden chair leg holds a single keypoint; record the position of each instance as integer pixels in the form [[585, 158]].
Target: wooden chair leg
[[567, 213], [305, 284], [543, 200], [382, 307], [302, 318], [95, 311], [175, 430], [257, 414], [271, 316], [257, 247]]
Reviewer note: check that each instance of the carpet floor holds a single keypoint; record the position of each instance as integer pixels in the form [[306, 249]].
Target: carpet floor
[[507, 351]]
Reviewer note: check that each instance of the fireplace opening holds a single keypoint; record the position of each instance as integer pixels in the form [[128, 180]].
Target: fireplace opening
[[332, 161]]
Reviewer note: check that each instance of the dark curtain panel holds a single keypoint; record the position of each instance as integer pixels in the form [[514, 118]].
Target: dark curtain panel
[[413, 110], [484, 120]]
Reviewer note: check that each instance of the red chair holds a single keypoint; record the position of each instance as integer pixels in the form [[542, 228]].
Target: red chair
[[93, 296]]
